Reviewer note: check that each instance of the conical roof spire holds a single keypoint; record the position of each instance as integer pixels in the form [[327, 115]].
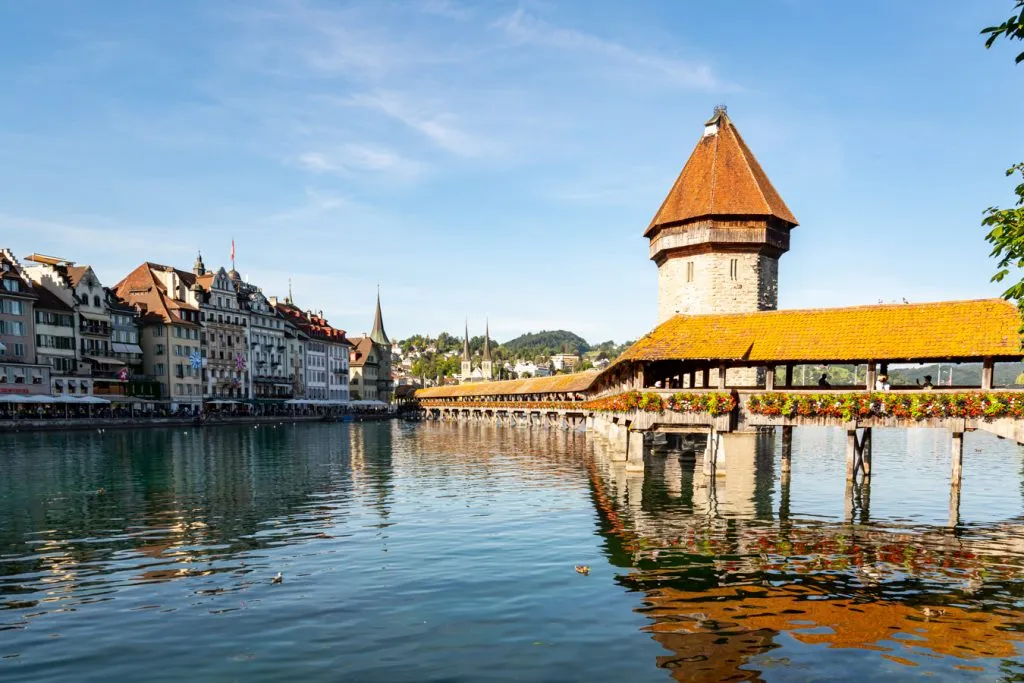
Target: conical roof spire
[[377, 334], [721, 178], [487, 340], [465, 343]]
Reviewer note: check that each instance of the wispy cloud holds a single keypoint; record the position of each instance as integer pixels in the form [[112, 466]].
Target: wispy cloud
[[527, 29], [445, 8], [352, 159], [441, 128]]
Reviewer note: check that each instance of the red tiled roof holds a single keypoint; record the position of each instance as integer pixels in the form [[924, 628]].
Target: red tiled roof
[[721, 178]]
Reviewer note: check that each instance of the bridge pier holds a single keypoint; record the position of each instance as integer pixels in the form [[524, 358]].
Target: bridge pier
[[787, 451], [858, 453], [634, 450]]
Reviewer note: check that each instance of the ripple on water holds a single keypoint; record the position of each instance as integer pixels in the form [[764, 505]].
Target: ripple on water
[[414, 552]]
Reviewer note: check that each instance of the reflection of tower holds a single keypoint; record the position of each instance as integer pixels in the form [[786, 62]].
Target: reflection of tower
[[467, 363], [486, 366]]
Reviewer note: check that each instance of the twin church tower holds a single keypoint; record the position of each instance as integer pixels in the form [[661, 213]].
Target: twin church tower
[[716, 238]]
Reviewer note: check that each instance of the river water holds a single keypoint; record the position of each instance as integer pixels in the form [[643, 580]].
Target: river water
[[436, 552]]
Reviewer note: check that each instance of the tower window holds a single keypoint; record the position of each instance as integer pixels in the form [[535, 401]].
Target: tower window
[[689, 271], [734, 266]]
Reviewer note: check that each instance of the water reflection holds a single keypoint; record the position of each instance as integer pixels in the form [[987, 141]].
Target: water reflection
[[437, 551], [738, 582]]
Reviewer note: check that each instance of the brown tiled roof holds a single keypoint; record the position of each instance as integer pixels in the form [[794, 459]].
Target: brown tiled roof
[[579, 381], [721, 178], [75, 274], [49, 301], [888, 332], [142, 289], [361, 347]]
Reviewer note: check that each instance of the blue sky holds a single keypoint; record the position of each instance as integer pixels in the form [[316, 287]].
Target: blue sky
[[500, 159]]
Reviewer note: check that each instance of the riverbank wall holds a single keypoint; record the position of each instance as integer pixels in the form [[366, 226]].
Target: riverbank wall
[[58, 425]]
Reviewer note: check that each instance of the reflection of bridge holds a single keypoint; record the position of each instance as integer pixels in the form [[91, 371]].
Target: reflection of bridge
[[724, 572]]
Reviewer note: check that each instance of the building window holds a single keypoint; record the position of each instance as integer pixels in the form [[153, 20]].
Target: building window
[[734, 266], [11, 307], [689, 271], [96, 301], [12, 285]]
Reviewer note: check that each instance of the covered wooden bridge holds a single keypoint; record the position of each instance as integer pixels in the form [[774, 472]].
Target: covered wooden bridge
[[728, 375]]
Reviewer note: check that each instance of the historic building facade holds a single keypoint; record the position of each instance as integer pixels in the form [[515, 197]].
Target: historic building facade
[[271, 378], [718, 235], [225, 335], [19, 372], [370, 364], [57, 346], [168, 302]]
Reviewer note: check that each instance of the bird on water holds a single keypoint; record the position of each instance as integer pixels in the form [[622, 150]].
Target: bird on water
[[277, 579], [582, 569]]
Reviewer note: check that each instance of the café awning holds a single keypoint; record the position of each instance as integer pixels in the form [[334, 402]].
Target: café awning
[[104, 360], [118, 347]]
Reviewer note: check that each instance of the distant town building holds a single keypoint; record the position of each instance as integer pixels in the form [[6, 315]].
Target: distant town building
[[19, 372], [225, 335], [370, 364], [483, 372], [168, 301], [565, 361]]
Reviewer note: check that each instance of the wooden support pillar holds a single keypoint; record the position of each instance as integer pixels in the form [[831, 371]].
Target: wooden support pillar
[[865, 452], [987, 371], [852, 455], [787, 450], [871, 376], [711, 453], [769, 378], [693, 378], [705, 378], [957, 458], [638, 378], [789, 375], [721, 376]]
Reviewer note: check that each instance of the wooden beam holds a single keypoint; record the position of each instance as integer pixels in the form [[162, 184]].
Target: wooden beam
[[851, 454], [789, 375], [721, 376], [769, 378], [706, 378], [987, 371]]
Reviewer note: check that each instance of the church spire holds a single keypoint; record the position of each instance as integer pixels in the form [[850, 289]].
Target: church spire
[[487, 341], [377, 334], [199, 268], [465, 344]]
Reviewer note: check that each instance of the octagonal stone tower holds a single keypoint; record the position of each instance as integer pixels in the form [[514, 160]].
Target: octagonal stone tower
[[718, 235]]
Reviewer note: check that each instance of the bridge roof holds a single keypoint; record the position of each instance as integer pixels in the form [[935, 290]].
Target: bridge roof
[[579, 381], [721, 178], [887, 332]]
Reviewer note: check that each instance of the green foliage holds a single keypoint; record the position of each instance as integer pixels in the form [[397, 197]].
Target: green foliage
[[1011, 29], [1006, 235], [545, 343], [1006, 226]]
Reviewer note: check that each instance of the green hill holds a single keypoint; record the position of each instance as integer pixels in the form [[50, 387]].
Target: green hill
[[546, 343]]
